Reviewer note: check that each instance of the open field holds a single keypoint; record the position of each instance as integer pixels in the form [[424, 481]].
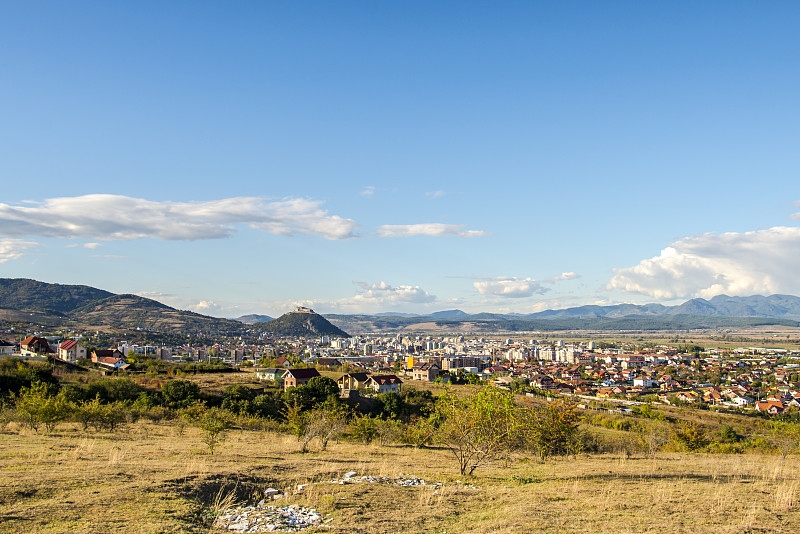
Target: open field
[[159, 478]]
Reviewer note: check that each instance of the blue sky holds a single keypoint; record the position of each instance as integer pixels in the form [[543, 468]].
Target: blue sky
[[246, 157]]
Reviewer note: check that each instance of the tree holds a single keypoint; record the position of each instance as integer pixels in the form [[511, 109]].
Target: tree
[[180, 393], [238, 399], [318, 390], [691, 436], [214, 423], [38, 407], [364, 428], [787, 437], [552, 429], [652, 436], [477, 428], [324, 422]]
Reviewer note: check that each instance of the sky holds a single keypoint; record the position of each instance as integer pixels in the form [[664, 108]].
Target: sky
[[361, 157]]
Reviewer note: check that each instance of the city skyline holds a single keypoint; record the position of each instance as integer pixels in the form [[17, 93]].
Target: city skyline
[[359, 158]]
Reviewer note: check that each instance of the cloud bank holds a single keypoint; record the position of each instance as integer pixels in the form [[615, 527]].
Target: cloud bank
[[758, 262], [116, 217]]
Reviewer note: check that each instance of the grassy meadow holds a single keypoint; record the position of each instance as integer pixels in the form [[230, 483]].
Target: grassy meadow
[[153, 478]]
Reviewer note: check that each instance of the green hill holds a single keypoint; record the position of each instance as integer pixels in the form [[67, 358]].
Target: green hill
[[23, 294]]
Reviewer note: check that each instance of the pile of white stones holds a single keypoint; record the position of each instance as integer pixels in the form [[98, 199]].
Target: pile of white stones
[[291, 518], [400, 480], [264, 518]]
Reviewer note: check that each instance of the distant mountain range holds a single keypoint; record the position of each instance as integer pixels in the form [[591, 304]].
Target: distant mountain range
[[33, 302], [773, 306]]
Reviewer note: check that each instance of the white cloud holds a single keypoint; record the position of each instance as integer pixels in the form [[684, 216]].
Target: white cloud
[[383, 293], [511, 287], [204, 306], [563, 276], [435, 194], [116, 217], [92, 245], [428, 229], [368, 191], [758, 262], [12, 249]]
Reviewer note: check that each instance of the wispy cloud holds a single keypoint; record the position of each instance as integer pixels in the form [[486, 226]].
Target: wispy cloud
[[435, 194], [12, 249], [428, 229], [560, 277], [368, 191], [115, 217], [758, 262]]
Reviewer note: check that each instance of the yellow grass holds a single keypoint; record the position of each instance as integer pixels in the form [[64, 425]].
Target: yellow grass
[[149, 478]]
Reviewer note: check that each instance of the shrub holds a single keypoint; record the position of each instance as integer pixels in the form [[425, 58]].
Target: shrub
[[36, 406], [364, 428]]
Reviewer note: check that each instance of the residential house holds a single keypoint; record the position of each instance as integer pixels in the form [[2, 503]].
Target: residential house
[[71, 351], [542, 381], [425, 371], [771, 407], [384, 383], [298, 377], [271, 373], [6, 348], [99, 354], [353, 381], [34, 346]]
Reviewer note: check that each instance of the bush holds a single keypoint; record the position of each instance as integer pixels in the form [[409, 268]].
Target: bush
[[364, 428], [180, 393], [36, 407], [552, 430], [477, 428], [691, 436]]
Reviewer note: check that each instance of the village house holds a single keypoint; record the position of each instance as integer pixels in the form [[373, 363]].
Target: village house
[[298, 377], [34, 346], [425, 371], [270, 373], [71, 351], [770, 406], [384, 383], [352, 381], [6, 348]]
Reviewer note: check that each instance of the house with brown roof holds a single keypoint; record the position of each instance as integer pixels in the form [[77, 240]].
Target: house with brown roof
[[34, 346], [352, 381], [99, 354], [425, 371], [298, 377], [71, 351], [384, 383], [769, 406]]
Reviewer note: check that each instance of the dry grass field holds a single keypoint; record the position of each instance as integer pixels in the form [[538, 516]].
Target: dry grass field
[[148, 478]]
